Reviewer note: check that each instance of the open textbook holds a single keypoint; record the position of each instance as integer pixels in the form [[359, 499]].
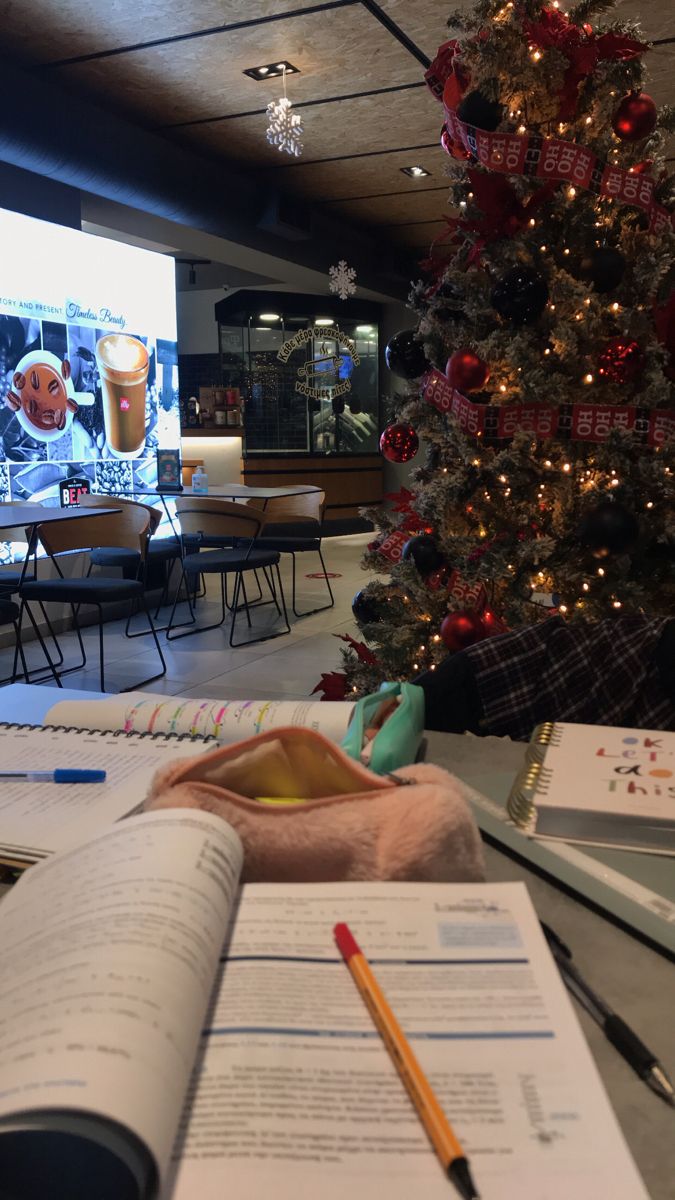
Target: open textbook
[[163, 1034], [224, 720]]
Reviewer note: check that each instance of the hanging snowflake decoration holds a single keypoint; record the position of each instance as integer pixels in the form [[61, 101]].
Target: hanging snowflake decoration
[[342, 280], [285, 128]]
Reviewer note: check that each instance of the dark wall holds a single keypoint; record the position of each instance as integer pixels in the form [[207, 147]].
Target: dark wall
[[36, 196]]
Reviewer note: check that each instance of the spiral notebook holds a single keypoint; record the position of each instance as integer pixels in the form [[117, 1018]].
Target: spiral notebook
[[37, 819], [598, 784]]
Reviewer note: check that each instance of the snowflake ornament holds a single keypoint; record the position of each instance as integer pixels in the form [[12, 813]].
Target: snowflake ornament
[[342, 280], [285, 128]]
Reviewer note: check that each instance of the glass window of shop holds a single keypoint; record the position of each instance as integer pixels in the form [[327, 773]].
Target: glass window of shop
[[307, 387]]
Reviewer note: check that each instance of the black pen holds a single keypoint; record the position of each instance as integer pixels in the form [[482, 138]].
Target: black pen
[[635, 1053]]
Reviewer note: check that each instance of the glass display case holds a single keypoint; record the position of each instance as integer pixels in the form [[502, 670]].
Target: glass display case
[[307, 372]]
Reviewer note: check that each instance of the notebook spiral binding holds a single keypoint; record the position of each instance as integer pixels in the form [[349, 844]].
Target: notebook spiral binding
[[534, 780], [117, 733]]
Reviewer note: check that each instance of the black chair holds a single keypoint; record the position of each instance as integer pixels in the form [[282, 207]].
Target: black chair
[[9, 615], [163, 550], [129, 529], [202, 517], [10, 582], [293, 525]]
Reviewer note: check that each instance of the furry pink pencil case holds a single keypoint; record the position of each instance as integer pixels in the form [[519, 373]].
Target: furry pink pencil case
[[343, 822]]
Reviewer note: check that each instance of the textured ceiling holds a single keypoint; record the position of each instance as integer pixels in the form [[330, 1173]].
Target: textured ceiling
[[175, 66]]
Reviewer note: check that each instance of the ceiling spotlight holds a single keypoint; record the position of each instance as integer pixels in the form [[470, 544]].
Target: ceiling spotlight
[[271, 71], [324, 321], [415, 172], [268, 317]]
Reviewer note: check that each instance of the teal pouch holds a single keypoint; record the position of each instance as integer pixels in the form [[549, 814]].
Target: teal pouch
[[398, 737]]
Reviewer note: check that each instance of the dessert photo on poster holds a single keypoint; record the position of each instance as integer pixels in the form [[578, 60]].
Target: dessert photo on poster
[[88, 361]]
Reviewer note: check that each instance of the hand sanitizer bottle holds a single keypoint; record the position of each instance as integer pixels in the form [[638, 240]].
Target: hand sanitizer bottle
[[200, 482]]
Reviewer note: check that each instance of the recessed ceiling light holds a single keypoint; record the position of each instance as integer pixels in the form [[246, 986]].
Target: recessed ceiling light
[[364, 328], [324, 321], [271, 70], [415, 172], [268, 317]]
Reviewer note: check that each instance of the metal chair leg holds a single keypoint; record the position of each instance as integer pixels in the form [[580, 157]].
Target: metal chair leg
[[173, 637], [101, 652], [36, 670], [40, 639], [321, 607], [268, 637], [18, 649], [134, 686]]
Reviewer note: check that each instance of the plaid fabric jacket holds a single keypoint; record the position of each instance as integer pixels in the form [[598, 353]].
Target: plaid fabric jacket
[[596, 674]]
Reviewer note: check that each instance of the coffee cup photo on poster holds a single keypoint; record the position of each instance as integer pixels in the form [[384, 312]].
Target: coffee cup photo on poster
[[123, 364]]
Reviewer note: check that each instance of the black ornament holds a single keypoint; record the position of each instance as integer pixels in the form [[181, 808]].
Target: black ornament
[[609, 528], [355, 405], [405, 356], [604, 268], [453, 308], [520, 296], [480, 112], [424, 552], [364, 608]]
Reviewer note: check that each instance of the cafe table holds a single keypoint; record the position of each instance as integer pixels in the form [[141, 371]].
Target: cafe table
[[29, 516], [220, 491]]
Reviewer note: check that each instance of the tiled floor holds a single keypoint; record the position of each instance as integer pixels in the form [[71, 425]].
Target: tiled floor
[[204, 665]]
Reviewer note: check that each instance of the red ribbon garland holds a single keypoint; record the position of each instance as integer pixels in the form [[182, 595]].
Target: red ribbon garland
[[553, 159], [579, 422]]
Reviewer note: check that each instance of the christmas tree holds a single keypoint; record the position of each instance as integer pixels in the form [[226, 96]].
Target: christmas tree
[[540, 371]]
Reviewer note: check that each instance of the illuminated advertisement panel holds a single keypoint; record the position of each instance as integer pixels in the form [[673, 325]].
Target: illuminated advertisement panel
[[88, 361]]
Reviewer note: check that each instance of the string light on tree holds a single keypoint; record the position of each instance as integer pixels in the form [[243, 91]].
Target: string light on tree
[[565, 272]]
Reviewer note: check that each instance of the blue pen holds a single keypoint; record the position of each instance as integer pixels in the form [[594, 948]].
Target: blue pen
[[60, 775]]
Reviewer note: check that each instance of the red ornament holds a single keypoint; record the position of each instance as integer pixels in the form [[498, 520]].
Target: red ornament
[[492, 624], [399, 443], [620, 361], [466, 371], [461, 629], [454, 149], [635, 118]]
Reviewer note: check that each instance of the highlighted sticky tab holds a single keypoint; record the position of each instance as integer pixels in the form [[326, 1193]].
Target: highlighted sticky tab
[[280, 801]]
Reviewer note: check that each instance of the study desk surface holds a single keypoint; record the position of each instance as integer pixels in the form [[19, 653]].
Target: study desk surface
[[636, 980]]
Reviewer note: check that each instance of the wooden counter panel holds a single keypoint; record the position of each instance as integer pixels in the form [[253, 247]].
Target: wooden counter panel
[[349, 482]]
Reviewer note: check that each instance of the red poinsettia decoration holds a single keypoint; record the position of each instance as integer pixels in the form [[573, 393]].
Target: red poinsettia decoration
[[333, 684], [502, 212], [360, 649], [582, 49]]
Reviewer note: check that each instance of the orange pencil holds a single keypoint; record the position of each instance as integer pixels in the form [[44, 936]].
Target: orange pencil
[[434, 1120]]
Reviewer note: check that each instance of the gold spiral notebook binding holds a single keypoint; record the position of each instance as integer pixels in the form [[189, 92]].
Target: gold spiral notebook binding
[[534, 779]]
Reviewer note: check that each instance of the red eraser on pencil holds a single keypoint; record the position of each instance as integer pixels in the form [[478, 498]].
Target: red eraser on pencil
[[346, 942]]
